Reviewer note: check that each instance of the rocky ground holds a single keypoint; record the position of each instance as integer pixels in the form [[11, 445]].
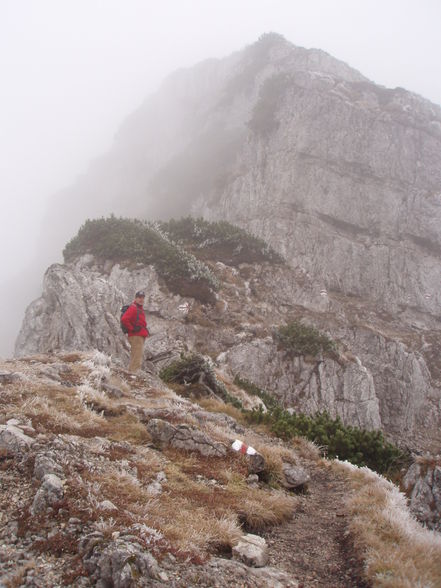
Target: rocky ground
[[92, 495]]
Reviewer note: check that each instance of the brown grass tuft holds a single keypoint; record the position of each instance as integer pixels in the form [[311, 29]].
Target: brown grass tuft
[[213, 405], [398, 552]]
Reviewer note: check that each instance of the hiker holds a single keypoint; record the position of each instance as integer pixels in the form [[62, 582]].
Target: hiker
[[134, 322]]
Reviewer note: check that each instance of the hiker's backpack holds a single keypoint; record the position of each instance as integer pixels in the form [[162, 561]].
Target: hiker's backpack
[[123, 311]]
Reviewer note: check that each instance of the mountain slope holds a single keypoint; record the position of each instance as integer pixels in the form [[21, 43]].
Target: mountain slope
[[339, 175], [381, 375], [91, 495]]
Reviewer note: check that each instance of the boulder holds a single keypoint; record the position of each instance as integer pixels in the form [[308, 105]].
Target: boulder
[[294, 476], [50, 492], [256, 463], [120, 563], [252, 550], [13, 440], [184, 437], [45, 465]]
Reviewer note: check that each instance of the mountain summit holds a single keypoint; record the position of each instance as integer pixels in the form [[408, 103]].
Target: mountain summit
[[338, 174]]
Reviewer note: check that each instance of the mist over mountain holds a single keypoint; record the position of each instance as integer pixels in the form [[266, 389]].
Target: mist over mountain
[[293, 312], [338, 174]]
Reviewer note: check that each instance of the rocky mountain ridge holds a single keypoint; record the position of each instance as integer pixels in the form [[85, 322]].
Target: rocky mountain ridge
[[379, 378], [339, 175]]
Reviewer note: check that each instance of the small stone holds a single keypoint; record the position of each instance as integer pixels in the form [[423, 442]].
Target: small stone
[[154, 489], [14, 440], [251, 550], [50, 492], [295, 476], [252, 479], [107, 505]]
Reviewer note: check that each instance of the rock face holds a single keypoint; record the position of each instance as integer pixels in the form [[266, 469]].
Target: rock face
[[423, 485], [341, 176], [309, 385], [384, 376], [184, 437]]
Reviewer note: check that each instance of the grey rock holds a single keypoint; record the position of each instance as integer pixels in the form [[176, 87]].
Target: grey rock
[[13, 440], [45, 465], [50, 492], [120, 564], [295, 476], [251, 550], [112, 391], [218, 573], [309, 386], [256, 463], [386, 385], [184, 437], [154, 489], [422, 484], [107, 505], [13, 422], [344, 180]]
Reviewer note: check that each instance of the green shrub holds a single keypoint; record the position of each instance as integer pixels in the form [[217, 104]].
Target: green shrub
[[360, 447], [196, 372], [299, 339], [221, 241], [120, 239]]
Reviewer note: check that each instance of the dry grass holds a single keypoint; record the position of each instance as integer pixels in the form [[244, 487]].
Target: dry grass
[[205, 504], [213, 405], [306, 449], [275, 456], [398, 552]]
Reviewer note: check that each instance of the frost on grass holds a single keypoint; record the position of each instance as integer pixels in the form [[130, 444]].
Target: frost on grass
[[398, 551]]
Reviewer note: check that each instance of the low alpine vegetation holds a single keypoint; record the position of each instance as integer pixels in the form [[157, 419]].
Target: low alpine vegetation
[[358, 446], [299, 339], [122, 240], [195, 376], [221, 241]]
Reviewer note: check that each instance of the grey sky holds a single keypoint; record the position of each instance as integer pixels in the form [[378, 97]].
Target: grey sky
[[71, 70]]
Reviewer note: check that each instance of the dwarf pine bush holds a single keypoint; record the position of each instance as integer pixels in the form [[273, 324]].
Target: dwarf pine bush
[[219, 240], [358, 446], [122, 239], [299, 339]]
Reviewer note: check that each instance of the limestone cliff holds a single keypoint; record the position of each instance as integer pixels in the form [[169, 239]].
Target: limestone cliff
[[377, 379], [340, 175]]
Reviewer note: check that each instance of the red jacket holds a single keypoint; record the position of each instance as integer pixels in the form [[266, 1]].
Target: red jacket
[[128, 319]]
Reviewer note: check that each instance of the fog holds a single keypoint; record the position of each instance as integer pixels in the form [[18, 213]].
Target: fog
[[72, 70]]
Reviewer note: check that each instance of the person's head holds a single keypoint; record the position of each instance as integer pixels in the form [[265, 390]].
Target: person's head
[[139, 297]]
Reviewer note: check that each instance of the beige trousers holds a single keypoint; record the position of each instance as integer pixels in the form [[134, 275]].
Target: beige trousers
[[136, 352]]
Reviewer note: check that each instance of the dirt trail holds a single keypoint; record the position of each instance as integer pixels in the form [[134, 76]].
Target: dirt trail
[[313, 547]]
